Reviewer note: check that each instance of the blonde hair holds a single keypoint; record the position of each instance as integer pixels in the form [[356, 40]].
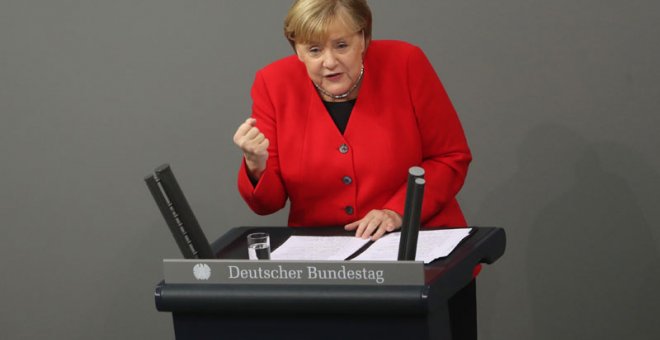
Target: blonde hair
[[308, 20]]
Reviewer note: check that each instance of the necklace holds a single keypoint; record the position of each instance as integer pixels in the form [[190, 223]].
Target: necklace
[[345, 94]]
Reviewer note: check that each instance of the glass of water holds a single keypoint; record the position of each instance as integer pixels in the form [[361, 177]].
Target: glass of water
[[258, 246]]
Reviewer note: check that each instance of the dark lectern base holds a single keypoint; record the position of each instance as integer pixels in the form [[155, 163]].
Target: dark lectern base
[[306, 327], [205, 311]]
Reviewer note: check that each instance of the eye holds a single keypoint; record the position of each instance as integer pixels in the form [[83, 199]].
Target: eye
[[342, 45]]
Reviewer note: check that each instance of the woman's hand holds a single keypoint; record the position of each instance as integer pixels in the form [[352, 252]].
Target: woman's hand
[[375, 224], [254, 145]]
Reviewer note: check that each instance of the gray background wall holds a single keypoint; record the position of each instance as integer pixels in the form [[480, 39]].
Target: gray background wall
[[559, 100]]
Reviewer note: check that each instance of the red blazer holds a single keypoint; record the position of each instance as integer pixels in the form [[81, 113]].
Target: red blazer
[[402, 117]]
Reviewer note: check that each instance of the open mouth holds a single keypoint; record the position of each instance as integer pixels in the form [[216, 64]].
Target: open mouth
[[333, 76]]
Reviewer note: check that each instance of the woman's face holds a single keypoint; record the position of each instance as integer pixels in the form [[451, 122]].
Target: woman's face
[[335, 63]]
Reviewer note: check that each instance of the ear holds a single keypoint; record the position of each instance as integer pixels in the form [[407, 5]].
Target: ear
[[365, 43]]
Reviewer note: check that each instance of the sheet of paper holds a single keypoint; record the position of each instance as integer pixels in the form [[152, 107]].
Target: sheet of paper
[[431, 245], [385, 248], [314, 248]]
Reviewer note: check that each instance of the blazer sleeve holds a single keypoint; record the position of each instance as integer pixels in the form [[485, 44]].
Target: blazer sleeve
[[445, 152], [268, 195]]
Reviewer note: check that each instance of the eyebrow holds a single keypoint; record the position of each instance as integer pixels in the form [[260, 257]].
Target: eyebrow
[[316, 43], [342, 38]]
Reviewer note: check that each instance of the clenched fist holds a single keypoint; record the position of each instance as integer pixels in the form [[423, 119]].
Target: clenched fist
[[254, 145]]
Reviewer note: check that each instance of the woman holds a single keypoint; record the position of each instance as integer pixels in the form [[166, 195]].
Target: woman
[[335, 127]]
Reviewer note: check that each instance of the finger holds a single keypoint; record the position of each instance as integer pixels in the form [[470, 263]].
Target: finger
[[394, 220], [388, 225], [379, 233], [393, 227], [352, 225], [266, 143], [252, 133], [262, 147], [258, 139], [362, 224], [361, 227], [249, 142], [371, 227], [250, 122], [243, 128]]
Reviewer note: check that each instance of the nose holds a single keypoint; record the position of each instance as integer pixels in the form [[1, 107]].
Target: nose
[[329, 60]]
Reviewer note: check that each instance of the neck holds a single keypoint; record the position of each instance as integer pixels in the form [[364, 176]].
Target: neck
[[343, 96]]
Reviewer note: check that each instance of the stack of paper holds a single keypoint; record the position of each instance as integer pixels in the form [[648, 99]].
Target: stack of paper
[[431, 245]]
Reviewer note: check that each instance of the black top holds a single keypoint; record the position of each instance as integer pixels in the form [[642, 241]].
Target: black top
[[340, 112]]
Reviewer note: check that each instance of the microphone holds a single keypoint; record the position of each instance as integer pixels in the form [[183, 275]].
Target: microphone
[[179, 216], [411, 214]]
